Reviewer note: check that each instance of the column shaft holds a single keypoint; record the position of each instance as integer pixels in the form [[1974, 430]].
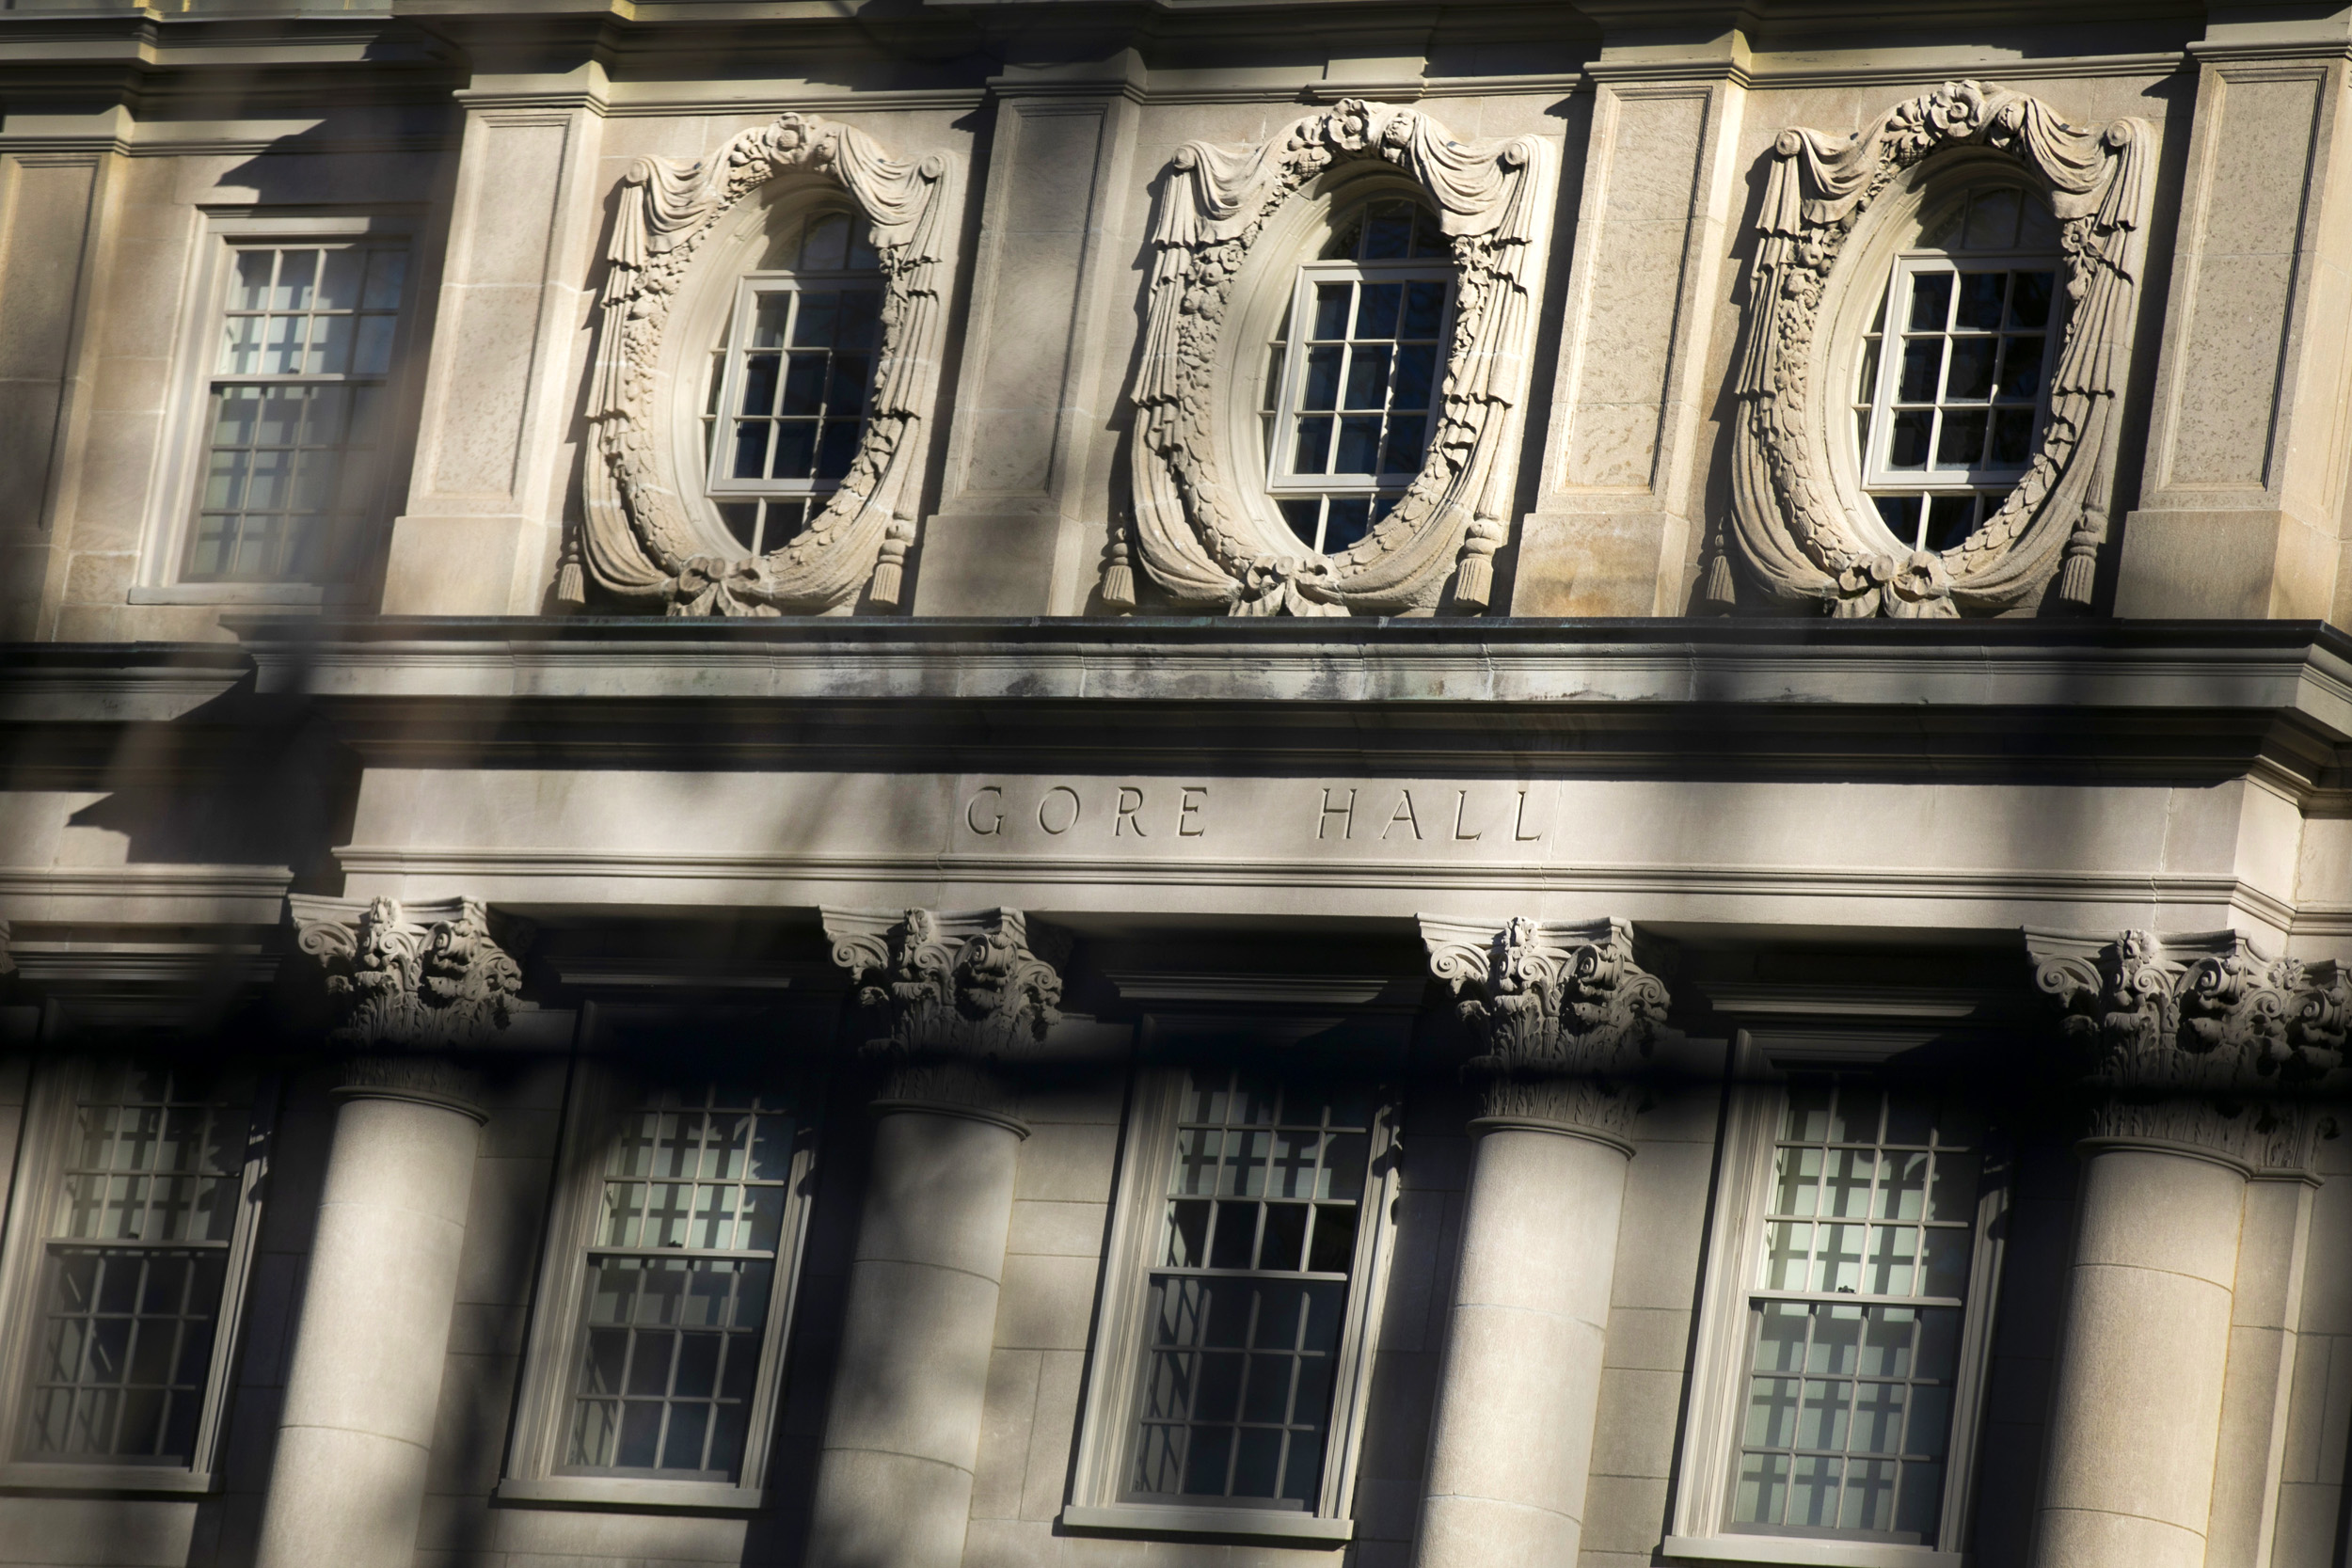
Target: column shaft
[[347, 1486], [2135, 1418], [1520, 1384], [894, 1483]]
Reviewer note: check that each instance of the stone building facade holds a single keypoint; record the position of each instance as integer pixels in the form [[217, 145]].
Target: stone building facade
[[1187, 785]]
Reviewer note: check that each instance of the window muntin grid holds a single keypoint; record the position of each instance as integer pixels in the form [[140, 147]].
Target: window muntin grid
[[135, 1264], [681, 1269], [788, 392], [1855, 1317], [1951, 414], [296, 422], [1355, 372], [1259, 1240]]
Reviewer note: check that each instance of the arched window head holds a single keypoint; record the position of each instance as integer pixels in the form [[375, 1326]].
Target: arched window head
[[1353, 375], [790, 387], [1953, 385]]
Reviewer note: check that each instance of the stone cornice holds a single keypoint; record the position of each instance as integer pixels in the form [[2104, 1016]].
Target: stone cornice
[[1563, 1017], [961, 996]]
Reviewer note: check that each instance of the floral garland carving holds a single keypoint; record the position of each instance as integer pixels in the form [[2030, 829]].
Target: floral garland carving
[[1788, 532], [1190, 531], [638, 541]]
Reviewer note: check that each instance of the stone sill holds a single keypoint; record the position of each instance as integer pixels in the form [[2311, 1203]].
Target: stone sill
[[284, 597], [621, 1492], [1225, 1524], [1805, 1552], [115, 1480]]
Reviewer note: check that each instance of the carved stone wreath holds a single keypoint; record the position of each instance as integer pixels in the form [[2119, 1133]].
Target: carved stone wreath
[[1793, 533], [638, 540], [1194, 532]]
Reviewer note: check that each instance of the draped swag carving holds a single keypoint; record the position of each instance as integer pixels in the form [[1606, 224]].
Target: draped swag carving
[[640, 542], [1207, 536], [1798, 534]]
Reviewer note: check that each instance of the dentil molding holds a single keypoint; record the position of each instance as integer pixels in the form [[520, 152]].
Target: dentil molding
[[961, 997], [638, 540], [1205, 536], [1799, 529], [2201, 1039], [1564, 1017]]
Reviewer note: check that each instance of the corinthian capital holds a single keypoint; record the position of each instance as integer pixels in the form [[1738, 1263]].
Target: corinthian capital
[[1562, 1015], [2198, 1037], [410, 977], [960, 996]]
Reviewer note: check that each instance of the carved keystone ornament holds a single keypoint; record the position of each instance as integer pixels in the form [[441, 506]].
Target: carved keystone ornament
[[1563, 1016], [2199, 1038], [962, 994], [1203, 529], [414, 977], [641, 541], [1800, 527]]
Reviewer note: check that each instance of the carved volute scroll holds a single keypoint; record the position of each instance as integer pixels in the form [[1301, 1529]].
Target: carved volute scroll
[[639, 541], [1799, 529], [1201, 531], [1563, 1016], [962, 997], [2199, 1039]]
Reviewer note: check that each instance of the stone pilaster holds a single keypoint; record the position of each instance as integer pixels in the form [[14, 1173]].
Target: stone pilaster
[[2207, 1063], [348, 1479], [959, 998], [1563, 1018]]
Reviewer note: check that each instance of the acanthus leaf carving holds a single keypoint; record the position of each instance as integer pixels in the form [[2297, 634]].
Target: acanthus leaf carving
[[1564, 1017], [637, 539], [1789, 531], [961, 996], [410, 977], [2201, 1038], [1193, 532]]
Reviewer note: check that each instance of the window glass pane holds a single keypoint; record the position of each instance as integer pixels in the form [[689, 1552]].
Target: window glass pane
[[803, 366], [1851, 1362], [1244, 1310], [130, 1278], [282, 499], [681, 1265]]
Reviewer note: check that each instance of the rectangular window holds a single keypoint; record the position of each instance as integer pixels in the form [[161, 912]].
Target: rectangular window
[[291, 472], [658, 1346], [1843, 1341], [1234, 1362], [136, 1225]]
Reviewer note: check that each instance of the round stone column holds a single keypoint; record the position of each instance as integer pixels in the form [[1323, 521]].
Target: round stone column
[[346, 1488], [902, 1436], [1520, 1386], [2135, 1415]]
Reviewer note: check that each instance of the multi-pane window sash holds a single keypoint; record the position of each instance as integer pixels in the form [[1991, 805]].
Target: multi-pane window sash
[[682, 1268], [1855, 1319], [296, 425], [137, 1254], [1356, 374], [1262, 1225], [1954, 380], [788, 393]]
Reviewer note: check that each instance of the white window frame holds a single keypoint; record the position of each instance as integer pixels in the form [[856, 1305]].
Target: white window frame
[[1275, 430], [552, 1349], [48, 1133], [179, 473], [1701, 1532], [1117, 1367], [1876, 475]]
